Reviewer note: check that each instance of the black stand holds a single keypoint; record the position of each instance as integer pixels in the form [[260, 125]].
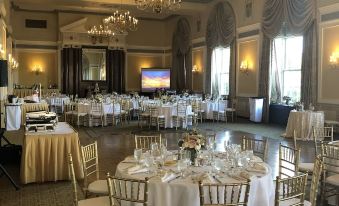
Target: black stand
[[3, 171]]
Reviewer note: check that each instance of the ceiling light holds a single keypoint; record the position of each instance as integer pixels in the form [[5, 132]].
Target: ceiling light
[[158, 5]]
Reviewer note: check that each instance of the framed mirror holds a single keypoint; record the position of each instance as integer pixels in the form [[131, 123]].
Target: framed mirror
[[94, 65]]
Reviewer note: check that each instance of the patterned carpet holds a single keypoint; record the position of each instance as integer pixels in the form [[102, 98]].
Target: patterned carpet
[[114, 144]]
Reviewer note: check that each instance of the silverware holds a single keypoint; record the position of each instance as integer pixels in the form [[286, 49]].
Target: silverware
[[217, 179]]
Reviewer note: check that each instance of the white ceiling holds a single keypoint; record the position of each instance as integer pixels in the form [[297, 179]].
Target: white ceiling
[[188, 7]]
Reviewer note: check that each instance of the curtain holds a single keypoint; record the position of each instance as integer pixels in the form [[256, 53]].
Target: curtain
[[220, 32], [115, 70], [298, 17], [181, 72], [71, 70]]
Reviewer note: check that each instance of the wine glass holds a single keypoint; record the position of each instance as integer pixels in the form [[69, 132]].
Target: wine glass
[[137, 155], [182, 166], [149, 161]]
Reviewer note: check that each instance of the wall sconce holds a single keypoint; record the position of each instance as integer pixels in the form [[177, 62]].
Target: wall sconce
[[12, 63], [334, 60], [195, 69], [37, 70], [244, 67]]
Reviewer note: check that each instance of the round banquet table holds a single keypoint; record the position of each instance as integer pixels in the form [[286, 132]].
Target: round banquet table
[[210, 106], [183, 191], [302, 122]]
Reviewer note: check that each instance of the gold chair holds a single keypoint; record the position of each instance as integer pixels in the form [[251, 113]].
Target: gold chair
[[96, 113], [156, 119], [144, 142], [224, 194], [102, 201], [232, 111], [79, 113], [181, 115], [330, 180], [144, 115], [288, 161], [317, 171], [220, 113], [69, 110], [198, 112], [258, 146], [89, 154], [129, 190], [291, 190]]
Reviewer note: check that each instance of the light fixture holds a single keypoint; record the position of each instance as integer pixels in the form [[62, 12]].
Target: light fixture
[[121, 22], [37, 70], [334, 60], [244, 67], [195, 69], [99, 33], [158, 5], [12, 63]]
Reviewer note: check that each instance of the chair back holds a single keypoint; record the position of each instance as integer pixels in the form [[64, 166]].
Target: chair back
[[259, 147], [288, 161], [222, 105], [321, 134], [96, 108], [181, 109], [154, 112], [224, 194], [73, 180], [330, 158], [130, 190], [316, 175], [89, 154], [144, 142], [290, 188]]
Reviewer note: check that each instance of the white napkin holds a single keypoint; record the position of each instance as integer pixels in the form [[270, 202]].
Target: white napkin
[[259, 168], [136, 169], [168, 177]]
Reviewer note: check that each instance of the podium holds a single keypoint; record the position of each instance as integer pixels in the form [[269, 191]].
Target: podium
[[256, 108]]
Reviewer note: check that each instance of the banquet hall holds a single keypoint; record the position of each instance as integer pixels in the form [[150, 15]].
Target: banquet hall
[[169, 102]]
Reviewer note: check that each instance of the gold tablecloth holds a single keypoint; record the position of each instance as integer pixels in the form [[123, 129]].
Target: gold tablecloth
[[31, 107], [21, 93], [45, 155]]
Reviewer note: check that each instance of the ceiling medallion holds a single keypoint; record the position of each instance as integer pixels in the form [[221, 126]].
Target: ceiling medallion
[[158, 5]]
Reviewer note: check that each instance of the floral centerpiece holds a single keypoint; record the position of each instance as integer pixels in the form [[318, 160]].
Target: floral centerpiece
[[98, 98], [192, 142]]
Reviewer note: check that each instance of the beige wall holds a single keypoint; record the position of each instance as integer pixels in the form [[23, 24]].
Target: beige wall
[[135, 62], [20, 32], [329, 76], [248, 83], [47, 62], [198, 77]]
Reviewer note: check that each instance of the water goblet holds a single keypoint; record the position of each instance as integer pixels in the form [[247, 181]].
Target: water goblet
[[137, 155]]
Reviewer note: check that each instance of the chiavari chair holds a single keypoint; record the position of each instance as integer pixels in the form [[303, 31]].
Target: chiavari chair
[[79, 113], [220, 112], [330, 180], [316, 176], [96, 113], [69, 110], [259, 147], [127, 190], [232, 111], [181, 115], [116, 113], [89, 154], [156, 119], [198, 112], [290, 190], [288, 161], [144, 142], [230, 194], [102, 201], [144, 116]]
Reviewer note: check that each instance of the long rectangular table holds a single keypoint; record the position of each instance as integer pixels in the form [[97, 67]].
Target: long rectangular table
[[45, 155]]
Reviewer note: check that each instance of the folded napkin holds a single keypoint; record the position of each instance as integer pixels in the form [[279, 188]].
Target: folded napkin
[[168, 177], [259, 168], [136, 169]]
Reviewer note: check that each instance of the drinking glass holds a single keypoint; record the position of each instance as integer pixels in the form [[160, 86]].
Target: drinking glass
[[137, 155], [149, 161], [182, 166]]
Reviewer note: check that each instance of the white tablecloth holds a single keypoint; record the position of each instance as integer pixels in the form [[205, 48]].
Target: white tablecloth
[[183, 192], [13, 117], [302, 123], [168, 110], [210, 106]]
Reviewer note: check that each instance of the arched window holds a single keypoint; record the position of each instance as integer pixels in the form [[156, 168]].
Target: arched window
[[220, 68]]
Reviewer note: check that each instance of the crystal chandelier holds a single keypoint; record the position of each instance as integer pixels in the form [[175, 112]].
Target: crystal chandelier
[[158, 5], [121, 21], [99, 33]]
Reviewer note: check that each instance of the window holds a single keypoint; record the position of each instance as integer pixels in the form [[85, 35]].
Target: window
[[286, 68], [220, 71]]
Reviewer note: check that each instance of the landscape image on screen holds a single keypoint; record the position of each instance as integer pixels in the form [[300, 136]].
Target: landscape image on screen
[[153, 79]]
